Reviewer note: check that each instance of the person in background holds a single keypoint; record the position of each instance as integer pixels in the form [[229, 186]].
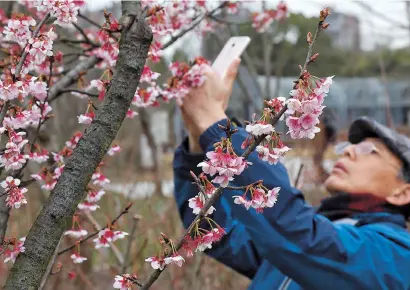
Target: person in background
[[355, 239]]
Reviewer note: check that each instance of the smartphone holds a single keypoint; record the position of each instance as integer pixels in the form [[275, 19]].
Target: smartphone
[[233, 48]]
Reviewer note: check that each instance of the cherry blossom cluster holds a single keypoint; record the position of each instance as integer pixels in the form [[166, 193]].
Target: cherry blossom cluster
[[11, 248], [15, 194], [271, 148], [224, 163], [198, 202], [202, 239], [306, 105], [14, 157], [261, 21], [107, 236], [261, 197], [163, 259], [76, 257], [65, 11], [18, 29]]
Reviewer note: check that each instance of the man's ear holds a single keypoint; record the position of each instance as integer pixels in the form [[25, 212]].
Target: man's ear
[[401, 196]]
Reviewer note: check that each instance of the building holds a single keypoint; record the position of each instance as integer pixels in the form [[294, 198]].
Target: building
[[344, 30]]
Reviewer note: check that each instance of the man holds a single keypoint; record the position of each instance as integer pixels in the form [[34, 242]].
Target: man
[[356, 239]]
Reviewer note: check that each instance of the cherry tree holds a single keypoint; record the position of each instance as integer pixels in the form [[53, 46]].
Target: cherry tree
[[32, 79]]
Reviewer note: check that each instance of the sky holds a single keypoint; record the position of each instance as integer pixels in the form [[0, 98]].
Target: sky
[[380, 26]]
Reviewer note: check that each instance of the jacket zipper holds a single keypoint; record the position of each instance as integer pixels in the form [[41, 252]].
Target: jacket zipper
[[285, 284]]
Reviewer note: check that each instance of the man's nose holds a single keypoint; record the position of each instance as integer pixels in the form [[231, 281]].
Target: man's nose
[[350, 152]]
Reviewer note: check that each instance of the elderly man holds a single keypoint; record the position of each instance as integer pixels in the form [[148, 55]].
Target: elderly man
[[357, 237]]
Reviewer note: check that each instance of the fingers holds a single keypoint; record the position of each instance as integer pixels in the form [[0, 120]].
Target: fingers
[[231, 73]]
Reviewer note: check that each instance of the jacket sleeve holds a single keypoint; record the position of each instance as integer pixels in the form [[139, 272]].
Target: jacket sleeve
[[236, 249], [291, 225]]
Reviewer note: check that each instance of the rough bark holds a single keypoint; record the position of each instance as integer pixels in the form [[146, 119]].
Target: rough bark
[[4, 215], [57, 212]]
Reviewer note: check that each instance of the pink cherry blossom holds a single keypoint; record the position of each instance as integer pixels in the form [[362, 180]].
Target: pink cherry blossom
[[108, 49], [259, 129], [155, 53], [65, 11], [99, 179], [77, 259], [94, 196], [88, 206], [86, 118], [195, 76], [113, 150], [13, 158], [241, 200], [260, 199], [39, 157], [131, 114], [225, 164], [18, 29], [156, 262], [175, 259], [76, 233], [122, 283], [41, 47], [107, 236], [145, 97], [38, 90], [262, 20], [15, 194], [148, 75], [72, 143], [197, 203], [10, 91], [11, 254]]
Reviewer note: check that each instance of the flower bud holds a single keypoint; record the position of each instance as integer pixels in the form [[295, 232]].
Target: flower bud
[[324, 13], [309, 38], [313, 57], [325, 25]]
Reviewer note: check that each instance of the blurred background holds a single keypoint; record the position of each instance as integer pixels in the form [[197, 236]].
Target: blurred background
[[366, 47]]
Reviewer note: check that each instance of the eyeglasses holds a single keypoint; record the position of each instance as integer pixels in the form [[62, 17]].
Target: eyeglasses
[[362, 148]]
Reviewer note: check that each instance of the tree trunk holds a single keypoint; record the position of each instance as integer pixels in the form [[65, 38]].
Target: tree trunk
[[57, 212]]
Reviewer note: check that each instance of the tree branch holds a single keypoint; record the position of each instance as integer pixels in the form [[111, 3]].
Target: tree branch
[[80, 92], [114, 221], [57, 212], [71, 77]]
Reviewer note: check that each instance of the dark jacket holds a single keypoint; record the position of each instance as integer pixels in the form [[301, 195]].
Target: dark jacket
[[290, 246]]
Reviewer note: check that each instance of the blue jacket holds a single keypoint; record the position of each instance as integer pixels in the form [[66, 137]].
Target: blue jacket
[[289, 246]]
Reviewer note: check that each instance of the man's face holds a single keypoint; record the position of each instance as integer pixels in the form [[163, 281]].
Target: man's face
[[373, 170]]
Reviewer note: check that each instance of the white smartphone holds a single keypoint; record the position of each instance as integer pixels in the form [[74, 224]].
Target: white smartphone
[[233, 48]]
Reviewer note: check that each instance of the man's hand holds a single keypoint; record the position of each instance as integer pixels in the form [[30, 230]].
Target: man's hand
[[205, 105]]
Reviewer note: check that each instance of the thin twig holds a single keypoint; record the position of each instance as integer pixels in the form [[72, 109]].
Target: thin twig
[[87, 39], [96, 25], [299, 175], [135, 219], [49, 267], [4, 111], [243, 187], [96, 232], [218, 192], [113, 247], [80, 92]]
